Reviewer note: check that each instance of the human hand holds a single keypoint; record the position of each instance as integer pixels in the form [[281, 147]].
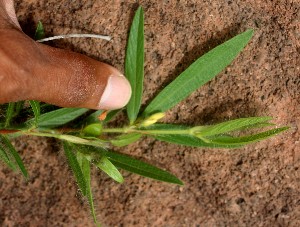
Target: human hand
[[34, 71]]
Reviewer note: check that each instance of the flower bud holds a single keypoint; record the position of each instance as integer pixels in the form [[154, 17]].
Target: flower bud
[[93, 130], [152, 119]]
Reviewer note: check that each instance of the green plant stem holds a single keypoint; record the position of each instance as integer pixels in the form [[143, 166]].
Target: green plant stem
[[151, 132], [125, 130]]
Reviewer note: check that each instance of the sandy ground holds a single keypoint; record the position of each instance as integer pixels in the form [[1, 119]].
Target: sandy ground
[[254, 186]]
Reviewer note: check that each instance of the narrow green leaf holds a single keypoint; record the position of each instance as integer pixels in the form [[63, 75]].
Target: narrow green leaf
[[126, 139], [134, 64], [106, 166], [191, 141], [73, 163], [9, 113], [91, 141], [5, 158], [35, 105], [200, 72], [70, 138], [232, 125], [183, 139], [58, 117], [258, 125], [16, 155], [39, 32], [135, 166], [86, 170], [141, 168], [246, 139]]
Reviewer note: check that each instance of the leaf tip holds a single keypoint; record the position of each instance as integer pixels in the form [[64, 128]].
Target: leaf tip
[[179, 182], [140, 9], [249, 33], [285, 128]]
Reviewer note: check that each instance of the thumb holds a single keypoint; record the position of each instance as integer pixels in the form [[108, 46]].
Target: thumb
[[39, 72], [73, 80]]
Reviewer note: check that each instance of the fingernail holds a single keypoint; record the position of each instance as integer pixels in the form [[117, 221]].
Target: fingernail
[[116, 94]]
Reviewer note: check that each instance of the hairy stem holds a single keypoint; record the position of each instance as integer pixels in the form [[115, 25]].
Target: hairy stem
[[145, 131]]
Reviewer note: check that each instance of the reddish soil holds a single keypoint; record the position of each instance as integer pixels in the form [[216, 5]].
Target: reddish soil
[[258, 185]]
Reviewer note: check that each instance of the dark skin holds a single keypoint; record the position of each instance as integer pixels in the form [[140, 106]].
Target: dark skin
[[34, 71]]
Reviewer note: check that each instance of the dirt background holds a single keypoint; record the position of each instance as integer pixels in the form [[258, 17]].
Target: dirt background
[[258, 185]]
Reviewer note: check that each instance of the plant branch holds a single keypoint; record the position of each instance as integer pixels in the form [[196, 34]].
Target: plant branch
[[144, 131]]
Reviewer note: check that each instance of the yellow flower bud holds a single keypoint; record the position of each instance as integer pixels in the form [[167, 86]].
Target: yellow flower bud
[[152, 119], [157, 116]]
